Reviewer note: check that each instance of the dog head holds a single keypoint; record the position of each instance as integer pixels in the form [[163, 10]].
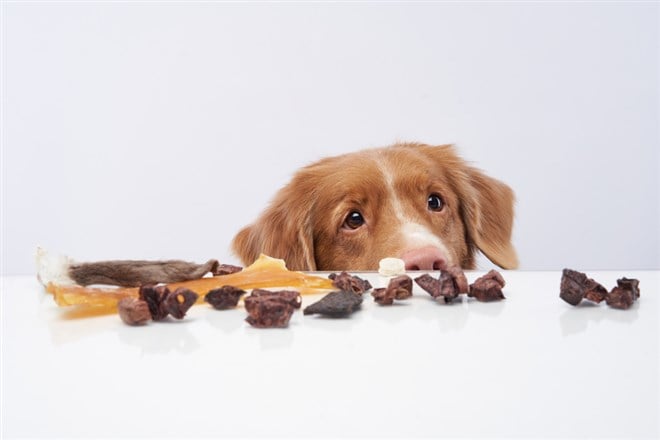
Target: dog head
[[421, 203]]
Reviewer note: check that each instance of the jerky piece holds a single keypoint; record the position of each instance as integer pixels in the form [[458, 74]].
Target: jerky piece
[[398, 288], [154, 296], [624, 294], [336, 304], [429, 284], [134, 273], [268, 311], [488, 287], [177, 303], [291, 297], [134, 311], [224, 297], [350, 283], [226, 269], [572, 287], [452, 283]]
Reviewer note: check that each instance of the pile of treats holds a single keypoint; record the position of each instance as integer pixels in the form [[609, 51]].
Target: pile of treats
[[576, 286]]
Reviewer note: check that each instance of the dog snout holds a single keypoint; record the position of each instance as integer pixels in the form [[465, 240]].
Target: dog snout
[[425, 258]]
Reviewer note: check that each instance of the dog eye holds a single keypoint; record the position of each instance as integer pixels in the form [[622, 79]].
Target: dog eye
[[353, 220], [435, 202]]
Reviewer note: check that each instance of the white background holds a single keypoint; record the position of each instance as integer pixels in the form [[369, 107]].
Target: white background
[[157, 130]]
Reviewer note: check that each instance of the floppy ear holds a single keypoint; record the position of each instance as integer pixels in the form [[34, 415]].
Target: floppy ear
[[488, 216], [486, 206], [283, 231]]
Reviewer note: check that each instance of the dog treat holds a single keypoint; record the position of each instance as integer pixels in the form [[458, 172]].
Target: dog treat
[[447, 287], [271, 309], [134, 311], [576, 285], [134, 273], [488, 287], [624, 294], [351, 283], [225, 297], [335, 304], [398, 288], [154, 296], [388, 267], [177, 303], [264, 272], [429, 284], [226, 269]]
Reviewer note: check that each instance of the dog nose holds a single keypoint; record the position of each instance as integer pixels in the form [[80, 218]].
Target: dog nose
[[426, 258]]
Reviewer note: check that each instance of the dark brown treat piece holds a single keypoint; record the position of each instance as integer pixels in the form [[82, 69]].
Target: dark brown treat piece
[[594, 291], [133, 273], [178, 302], [134, 311], [350, 283], [225, 297], [154, 296], [266, 312], [624, 295], [398, 288], [429, 284], [226, 269], [291, 297], [452, 283], [335, 304], [631, 284], [459, 279], [572, 287], [488, 287], [383, 296]]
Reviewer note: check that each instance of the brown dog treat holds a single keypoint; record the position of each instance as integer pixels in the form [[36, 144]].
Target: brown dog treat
[[271, 309], [452, 283], [488, 287], [134, 273], [459, 279], [134, 311], [350, 283], [226, 269], [225, 297], [291, 297], [177, 303], [429, 284], [335, 304], [572, 286], [398, 288], [624, 294], [154, 297]]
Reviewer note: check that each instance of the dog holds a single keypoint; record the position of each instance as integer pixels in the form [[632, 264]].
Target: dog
[[420, 203]]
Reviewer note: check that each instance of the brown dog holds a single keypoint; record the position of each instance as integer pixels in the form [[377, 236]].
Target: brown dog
[[420, 203]]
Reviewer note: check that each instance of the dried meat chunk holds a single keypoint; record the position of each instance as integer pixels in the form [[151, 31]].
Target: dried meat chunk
[[268, 309], [451, 283], [624, 294], [398, 288], [429, 284], [226, 269], [350, 283], [134, 311], [178, 302], [594, 291], [154, 297], [488, 287], [225, 297], [335, 304]]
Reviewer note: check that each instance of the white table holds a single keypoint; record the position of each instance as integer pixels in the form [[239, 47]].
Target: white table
[[528, 366]]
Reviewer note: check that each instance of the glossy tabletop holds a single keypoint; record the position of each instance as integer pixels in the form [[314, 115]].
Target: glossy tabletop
[[527, 366]]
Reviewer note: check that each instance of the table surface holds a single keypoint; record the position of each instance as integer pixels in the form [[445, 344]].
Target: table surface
[[529, 366]]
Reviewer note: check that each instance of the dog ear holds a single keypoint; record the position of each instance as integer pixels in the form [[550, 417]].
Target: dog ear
[[486, 206], [488, 216], [283, 231]]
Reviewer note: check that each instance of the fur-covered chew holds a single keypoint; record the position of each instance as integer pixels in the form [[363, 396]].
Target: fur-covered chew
[[59, 269], [134, 273], [412, 200]]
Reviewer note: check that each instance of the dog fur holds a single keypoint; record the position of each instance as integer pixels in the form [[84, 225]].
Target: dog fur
[[307, 222]]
